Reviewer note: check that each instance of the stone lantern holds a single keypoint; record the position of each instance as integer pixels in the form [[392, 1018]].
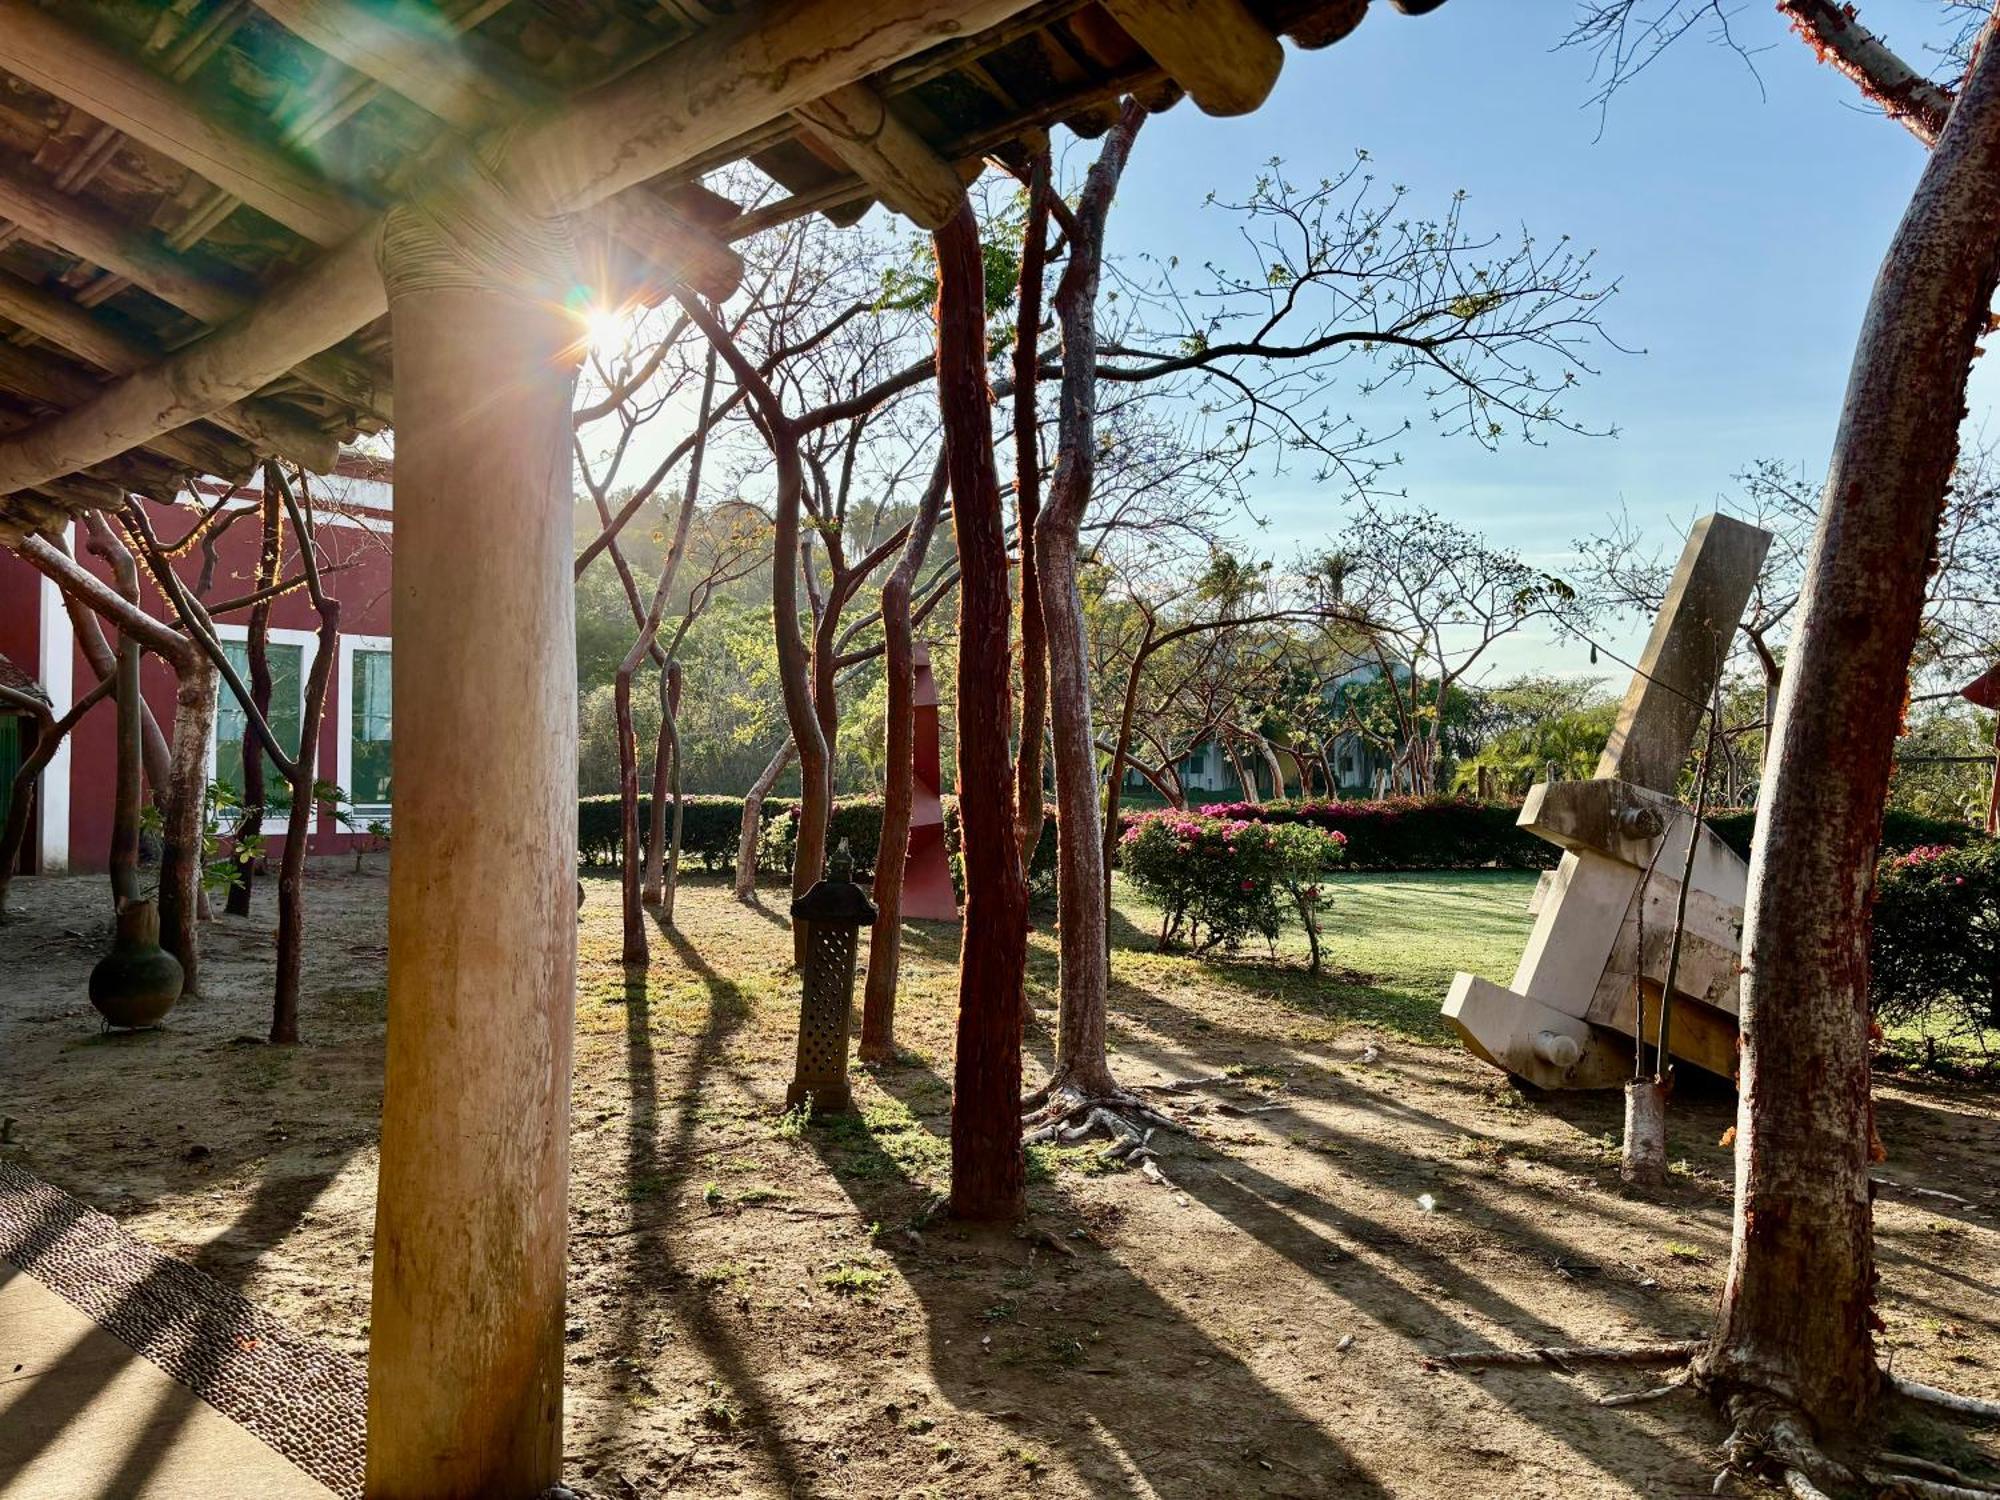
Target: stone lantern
[[834, 911]]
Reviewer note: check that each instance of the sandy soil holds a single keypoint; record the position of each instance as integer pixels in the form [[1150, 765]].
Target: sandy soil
[[761, 1307]]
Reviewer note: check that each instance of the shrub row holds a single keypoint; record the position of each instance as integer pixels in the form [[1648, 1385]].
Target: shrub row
[[1403, 833], [1411, 833], [711, 826]]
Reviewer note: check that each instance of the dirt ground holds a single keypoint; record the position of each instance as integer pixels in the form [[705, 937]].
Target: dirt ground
[[767, 1306]]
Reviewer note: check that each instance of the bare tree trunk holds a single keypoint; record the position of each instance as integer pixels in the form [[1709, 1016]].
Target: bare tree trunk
[[1277, 769], [1028, 807], [885, 942], [988, 1170], [124, 853], [628, 805], [1114, 790], [794, 664], [269, 559], [1243, 777], [125, 797], [665, 749], [1796, 1308], [185, 805], [298, 827], [753, 820], [672, 886], [1081, 865], [97, 651]]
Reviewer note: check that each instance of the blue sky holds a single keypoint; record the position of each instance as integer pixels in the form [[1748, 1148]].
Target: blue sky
[[1744, 217]]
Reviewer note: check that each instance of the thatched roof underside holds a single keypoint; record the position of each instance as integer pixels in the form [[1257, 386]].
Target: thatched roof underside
[[165, 165]]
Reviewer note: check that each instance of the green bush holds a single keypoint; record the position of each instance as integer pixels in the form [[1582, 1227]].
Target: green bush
[[1934, 960], [1901, 831], [1217, 880]]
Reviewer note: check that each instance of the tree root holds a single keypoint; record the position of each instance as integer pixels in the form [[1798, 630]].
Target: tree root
[[1069, 1116], [1930, 1395], [1915, 1487], [1562, 1356], [1680, 1382], [1931, 1469], [1769, 1440]]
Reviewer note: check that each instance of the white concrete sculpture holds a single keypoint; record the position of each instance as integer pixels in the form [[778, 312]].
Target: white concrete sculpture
[[1605, 920]]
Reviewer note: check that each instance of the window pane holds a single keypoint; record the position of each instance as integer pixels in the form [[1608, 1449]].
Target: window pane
[[371, 729], [286, 663]]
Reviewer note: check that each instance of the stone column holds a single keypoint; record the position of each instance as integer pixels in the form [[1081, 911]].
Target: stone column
[[465, 1362]]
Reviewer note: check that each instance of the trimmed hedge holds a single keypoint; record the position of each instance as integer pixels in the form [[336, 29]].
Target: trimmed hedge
[[1901, 831], [1411, 833], [712, 825], [1403, 833]]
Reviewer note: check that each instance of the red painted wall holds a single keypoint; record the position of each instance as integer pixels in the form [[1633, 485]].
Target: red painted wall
[[356, 566]]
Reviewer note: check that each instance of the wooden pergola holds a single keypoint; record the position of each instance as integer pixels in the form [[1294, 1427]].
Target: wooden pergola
[[233, 230]]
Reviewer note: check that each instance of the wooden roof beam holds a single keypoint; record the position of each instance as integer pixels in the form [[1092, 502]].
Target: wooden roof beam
[[83, 229], [70, 327], [897, 163], [49, 383], [428, 66], [722, 81], [73, 64], [1215, 49]]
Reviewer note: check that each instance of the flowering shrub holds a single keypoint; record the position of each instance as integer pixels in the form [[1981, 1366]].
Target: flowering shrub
[[1217, 879], [1935, 955], [1410, 833]]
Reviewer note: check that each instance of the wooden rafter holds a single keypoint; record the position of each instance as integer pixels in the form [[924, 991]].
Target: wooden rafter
[[1215, 49], [73, 64], [864, 87], [858, 126]]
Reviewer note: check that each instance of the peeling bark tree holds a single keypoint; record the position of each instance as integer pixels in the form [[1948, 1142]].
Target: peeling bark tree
[[885, 942], [753, 820], [1029, 809], [270, 556], [988, 1171], [1805, 1120], [298, 825], [1082, 1071], [794, 665]]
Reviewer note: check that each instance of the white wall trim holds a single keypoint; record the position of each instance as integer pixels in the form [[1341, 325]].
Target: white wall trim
[[56, 668], [308, 642], [343, 751]]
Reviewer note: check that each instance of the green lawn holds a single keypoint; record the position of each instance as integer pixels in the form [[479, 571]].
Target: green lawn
[[1392, 941]]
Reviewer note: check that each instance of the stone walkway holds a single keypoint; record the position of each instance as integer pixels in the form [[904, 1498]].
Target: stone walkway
[[126, 1374], [85, 1417]]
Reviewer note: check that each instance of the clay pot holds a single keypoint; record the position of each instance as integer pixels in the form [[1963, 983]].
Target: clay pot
[[138, 981]]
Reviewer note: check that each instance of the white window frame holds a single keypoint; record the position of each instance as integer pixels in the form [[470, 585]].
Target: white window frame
[[343, 755], [308, 642]]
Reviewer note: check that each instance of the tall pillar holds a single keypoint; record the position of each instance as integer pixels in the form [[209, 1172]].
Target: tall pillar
[[465, 1354]]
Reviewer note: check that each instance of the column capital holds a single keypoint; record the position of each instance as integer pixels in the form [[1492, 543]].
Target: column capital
[[464, 231]]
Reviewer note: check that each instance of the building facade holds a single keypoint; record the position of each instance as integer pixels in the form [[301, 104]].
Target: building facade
[[353, 520]]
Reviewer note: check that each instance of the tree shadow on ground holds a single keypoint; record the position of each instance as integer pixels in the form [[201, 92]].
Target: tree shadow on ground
[[656, 1172], [1098, 1365]]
